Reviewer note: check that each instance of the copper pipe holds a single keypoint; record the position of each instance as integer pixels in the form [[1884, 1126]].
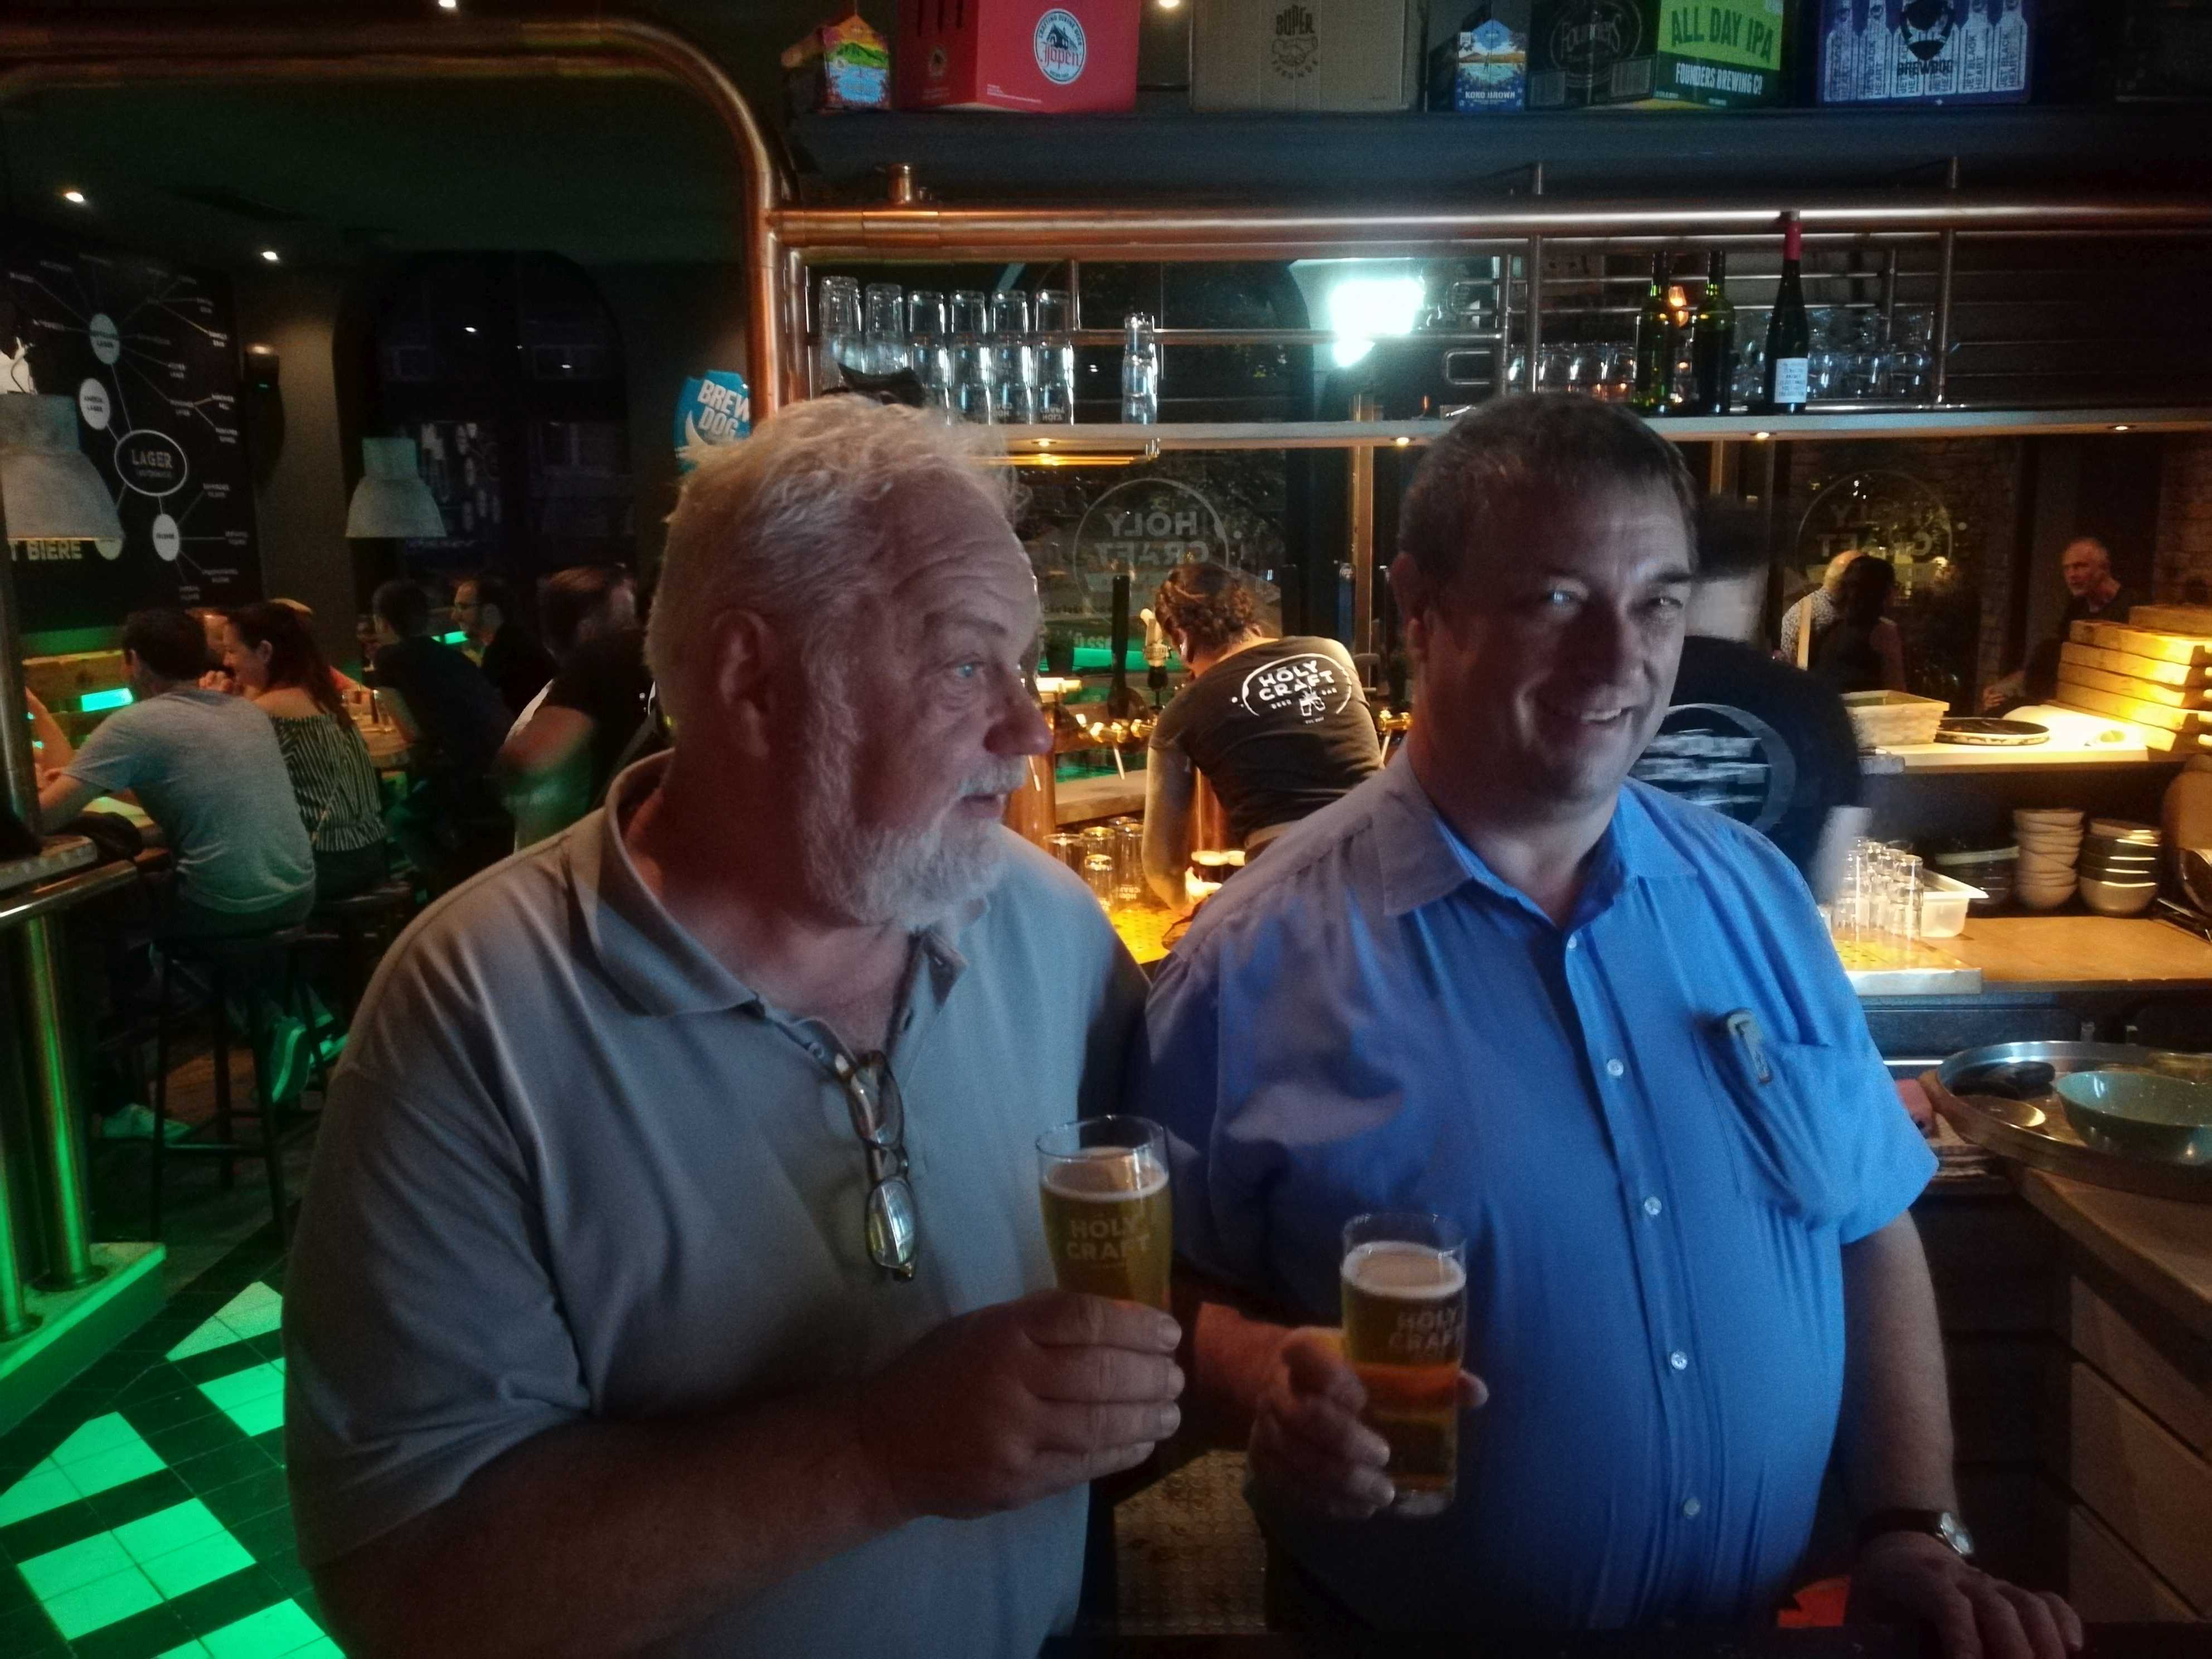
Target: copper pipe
[[160, 48], [946, 234]]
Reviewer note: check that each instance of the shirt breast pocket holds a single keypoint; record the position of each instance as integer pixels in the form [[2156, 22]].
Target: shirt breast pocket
[[1782, 1107]]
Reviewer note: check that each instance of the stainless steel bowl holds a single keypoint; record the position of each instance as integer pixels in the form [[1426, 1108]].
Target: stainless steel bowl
[[2140, 1114]]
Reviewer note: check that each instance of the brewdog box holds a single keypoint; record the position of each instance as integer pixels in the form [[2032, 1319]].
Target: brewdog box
[[1923, 52], [1719, 54]]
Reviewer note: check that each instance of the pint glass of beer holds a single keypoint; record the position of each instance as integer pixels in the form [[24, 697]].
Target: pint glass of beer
[[1405, 1331], [1103, 1182]]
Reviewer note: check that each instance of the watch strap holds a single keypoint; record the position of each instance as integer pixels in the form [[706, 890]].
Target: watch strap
[[1939, 1524]]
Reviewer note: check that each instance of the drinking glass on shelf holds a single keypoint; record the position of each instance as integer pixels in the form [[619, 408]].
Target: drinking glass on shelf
[[974, 374], [1554, 368], [1128, 861], [1823, 371], [931, 349], [1751, 372], [1516, 370], [887, 340], [1619, 373], [1014, 389], [971, 312], [1586, 370], [840, 337], [1866, 371], [1055, 357], [1911, 357]]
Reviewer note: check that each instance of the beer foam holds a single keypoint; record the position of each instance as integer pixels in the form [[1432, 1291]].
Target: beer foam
[[1403, 1272], [1106, 1175]]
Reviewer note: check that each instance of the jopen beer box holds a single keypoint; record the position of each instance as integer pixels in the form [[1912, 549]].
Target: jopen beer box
[[1062, 57], [1719, 54]]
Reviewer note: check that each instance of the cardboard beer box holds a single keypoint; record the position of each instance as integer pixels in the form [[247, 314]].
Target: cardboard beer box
[[1056, 57], [1344, 56], [1923, 51], [1657, 54], [1484, 63], [839, 66]]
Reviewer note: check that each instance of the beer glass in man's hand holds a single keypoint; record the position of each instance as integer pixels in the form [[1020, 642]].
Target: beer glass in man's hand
[[1108, 1221], [1404, 1281]]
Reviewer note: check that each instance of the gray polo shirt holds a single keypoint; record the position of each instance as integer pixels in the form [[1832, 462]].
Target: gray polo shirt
[[573, 1168]]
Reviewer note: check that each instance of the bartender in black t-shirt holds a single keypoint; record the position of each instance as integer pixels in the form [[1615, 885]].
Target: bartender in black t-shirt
[[1279, 727]]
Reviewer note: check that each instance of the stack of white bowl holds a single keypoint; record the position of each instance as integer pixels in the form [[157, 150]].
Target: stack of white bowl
[[2049, 841], [2120, 866]]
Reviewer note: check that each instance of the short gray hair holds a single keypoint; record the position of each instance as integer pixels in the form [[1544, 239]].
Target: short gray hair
[[1546, 445], [792, 523]]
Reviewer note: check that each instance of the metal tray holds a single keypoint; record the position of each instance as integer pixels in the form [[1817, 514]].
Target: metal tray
[[2034, 1131]]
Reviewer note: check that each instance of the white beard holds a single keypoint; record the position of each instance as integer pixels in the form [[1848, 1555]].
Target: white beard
[[873, 875]]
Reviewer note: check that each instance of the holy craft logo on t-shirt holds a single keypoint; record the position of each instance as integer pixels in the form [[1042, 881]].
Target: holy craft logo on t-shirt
[[1311, 687], [1725, 758]]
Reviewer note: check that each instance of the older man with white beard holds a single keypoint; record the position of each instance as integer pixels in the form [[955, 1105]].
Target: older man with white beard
[[671, 1276]]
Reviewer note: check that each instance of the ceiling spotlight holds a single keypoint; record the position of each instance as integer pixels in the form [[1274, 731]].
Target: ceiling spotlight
[[468, 328], [449, 5], [1170, 5], [74, 198], [270, 255], [2122, 428], [1401, 442], [1760, 437]]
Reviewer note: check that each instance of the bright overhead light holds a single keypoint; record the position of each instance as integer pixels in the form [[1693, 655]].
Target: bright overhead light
[[449, 5], [468, 328], [1401, 442], [74, 198], [270, 255], [1170, 5], [2122, 428], [1760, 437], [1361, 307]]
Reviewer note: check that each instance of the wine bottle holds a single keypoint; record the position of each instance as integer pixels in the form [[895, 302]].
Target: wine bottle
[[1789, 334], [1655, 346], [1712, 344]]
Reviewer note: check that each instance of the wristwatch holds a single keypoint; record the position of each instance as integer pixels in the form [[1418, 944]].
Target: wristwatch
[[1940, 1524]]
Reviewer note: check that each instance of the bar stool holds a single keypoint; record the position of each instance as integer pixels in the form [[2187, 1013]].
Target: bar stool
[[361, 928], [224, 964]]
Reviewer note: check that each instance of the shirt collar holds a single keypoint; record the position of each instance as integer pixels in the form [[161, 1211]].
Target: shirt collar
[[657, 964], [1424, 859]]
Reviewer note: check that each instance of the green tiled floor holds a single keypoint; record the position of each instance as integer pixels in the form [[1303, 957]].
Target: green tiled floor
[[142, 1512]]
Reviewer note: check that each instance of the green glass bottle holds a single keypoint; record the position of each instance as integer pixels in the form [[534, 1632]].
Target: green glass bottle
[[1655, 346], [1712, 344]]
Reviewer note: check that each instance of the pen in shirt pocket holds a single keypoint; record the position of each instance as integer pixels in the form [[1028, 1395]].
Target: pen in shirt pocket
[[1742, 1027]]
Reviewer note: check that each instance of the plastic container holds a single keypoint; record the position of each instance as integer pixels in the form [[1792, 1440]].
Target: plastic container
[[1943, 905]]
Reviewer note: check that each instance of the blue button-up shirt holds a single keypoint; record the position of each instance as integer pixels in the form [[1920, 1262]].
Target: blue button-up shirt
[[1369, 1018]]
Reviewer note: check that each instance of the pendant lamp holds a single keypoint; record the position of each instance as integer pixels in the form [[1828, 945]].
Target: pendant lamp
[[50, 489], [391, 502]]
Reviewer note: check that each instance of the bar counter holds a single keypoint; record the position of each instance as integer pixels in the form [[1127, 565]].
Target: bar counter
[[2133, 1641]]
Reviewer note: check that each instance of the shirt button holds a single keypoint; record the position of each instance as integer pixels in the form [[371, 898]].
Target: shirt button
[[1574, 944], [1652, 1206], [1615, 1068], [1679, 1360], [1691, 1507]]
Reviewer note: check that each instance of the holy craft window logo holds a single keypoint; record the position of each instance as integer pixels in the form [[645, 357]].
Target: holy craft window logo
[[1060, 48], [1296, 49]]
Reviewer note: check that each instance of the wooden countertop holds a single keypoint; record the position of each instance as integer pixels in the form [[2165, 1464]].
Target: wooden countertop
[[2090, 953], [2161, 1246]]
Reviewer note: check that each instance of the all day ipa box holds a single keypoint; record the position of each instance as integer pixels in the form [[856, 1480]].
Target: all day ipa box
[[1722, 54], [1347, 56], [1075, 56]]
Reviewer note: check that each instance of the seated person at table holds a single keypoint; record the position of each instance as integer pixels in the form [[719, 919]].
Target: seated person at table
[[1279, 727], [508, 653], [278, 665], [347, 686], [556, 763], [451, 825], [1862, 650], [213, 628], [208, 770], [2093, 593], [1604, 1032]]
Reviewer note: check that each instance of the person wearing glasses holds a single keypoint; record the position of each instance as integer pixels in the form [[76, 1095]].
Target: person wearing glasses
[[673, 1274], [1602, 1031]]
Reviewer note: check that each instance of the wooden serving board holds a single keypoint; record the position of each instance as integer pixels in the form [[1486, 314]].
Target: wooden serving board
[[2186, 648], [2185, 698], [2172, 618], [2164, 729], [2135, 668]]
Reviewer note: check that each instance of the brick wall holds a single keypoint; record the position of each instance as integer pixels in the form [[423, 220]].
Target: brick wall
[[1954, 627], [2183, 562]]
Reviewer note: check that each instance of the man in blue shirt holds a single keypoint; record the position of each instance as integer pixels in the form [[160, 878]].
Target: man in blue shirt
[[1604, 1032]]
